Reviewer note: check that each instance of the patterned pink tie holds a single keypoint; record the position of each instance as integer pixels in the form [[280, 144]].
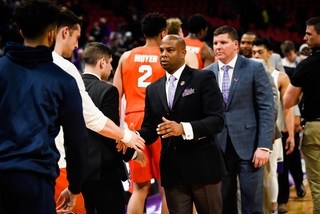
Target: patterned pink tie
[[171, 91], [225, 84]]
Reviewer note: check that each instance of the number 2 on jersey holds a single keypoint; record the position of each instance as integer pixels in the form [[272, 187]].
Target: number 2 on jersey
[[141, 81]]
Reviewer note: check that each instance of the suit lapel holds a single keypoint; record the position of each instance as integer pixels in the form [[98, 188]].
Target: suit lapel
[[237, 72], [216, 71], [184, 79], [162, 92]]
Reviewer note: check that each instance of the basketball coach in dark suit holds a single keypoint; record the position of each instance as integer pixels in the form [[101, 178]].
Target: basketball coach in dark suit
[[102, 188], [185, 108], [247, 135]]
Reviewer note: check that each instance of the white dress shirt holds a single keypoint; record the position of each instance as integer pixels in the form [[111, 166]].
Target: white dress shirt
[[93, 117], [231, 64], [187, 128]]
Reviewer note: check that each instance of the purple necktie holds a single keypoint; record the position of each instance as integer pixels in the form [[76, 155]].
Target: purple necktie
[[225, 84], [171, 91]]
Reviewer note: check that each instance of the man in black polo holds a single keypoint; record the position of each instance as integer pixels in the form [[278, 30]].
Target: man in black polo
[[305, 80]]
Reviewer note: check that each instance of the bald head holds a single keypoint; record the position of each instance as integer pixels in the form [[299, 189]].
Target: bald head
[[172, 53], [175, 38]]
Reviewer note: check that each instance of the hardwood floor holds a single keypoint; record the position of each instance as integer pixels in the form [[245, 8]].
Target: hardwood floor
[[298, 205]]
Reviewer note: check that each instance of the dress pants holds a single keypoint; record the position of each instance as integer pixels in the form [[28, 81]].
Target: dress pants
[[24, 192], [311, 154], [104, 196], [251, 184], [206, 197], [291, 162]]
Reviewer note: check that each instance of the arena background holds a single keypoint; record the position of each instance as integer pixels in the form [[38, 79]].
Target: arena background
[[117, 23]]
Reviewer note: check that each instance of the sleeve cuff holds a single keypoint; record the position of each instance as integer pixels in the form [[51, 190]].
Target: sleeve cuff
[[135, 155], [266, 149], [188, 131]]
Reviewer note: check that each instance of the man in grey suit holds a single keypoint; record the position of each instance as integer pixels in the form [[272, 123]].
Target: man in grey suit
[[249, 122]]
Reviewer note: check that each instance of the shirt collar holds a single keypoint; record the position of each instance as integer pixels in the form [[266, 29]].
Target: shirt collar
[[92, 74], [176, 74], [232, 63], [56, 54]]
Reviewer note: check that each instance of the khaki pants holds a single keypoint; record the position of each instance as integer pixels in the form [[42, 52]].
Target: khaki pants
[[311, 153]]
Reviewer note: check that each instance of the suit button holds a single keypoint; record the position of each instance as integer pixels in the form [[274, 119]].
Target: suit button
[[167, 113], [174, 148]]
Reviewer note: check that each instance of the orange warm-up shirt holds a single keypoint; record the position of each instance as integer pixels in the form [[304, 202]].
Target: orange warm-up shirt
[[195, 46], [141, 68]]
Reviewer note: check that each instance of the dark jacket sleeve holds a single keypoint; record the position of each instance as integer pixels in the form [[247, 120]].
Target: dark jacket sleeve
[[75, 136]]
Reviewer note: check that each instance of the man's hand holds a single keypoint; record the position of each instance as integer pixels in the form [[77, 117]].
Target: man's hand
[[136, 141], [68, 203], [169, 128], [121, 145], [290, 144], [141, 158], [260, 157]]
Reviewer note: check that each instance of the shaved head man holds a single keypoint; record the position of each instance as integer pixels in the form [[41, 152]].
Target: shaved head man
[[176, 48], [185, 108]]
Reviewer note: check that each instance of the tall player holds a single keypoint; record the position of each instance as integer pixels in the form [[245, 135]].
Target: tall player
[[198, 27], [136, 70]]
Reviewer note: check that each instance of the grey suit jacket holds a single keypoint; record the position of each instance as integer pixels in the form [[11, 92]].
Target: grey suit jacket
[[275, 61], [249, 113], [275, 92]]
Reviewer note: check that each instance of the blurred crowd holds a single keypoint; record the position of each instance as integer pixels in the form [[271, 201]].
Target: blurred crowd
[[118, 23]]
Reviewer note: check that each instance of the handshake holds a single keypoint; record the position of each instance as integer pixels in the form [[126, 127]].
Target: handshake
[[136, 142]]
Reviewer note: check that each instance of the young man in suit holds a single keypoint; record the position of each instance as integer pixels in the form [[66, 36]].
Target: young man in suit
[[185, 108], [247, 136], [102, 189]]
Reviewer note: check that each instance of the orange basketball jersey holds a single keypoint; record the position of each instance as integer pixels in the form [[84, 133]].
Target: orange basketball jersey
[[141, 68], [195, 46]]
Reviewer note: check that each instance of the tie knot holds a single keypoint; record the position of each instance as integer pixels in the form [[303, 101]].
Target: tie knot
[[172, 79], [225, 68]]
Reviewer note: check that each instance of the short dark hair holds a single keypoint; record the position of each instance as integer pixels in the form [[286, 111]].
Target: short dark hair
[[196, 23], [251, 33], [94, 51], [315, 22], [227, 29], [35, 16], [287, 46], [263, 42], [68, 19], [153, 24]]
